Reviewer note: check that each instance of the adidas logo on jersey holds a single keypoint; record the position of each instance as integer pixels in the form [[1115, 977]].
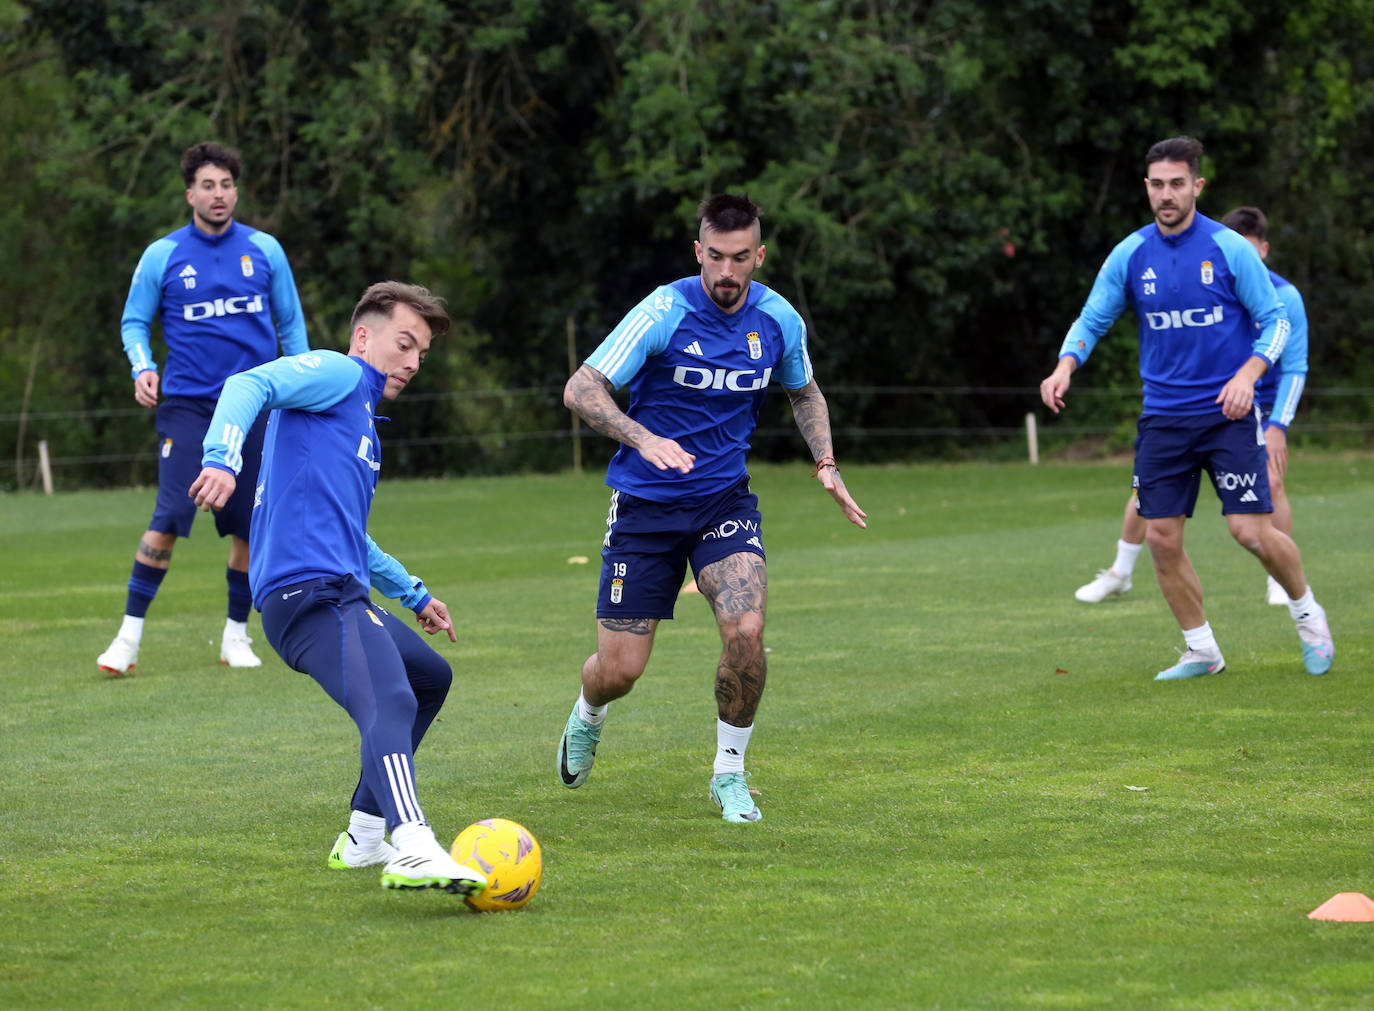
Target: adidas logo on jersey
[[187, 271], [1249, 496], [693, 348], [1149, 274]]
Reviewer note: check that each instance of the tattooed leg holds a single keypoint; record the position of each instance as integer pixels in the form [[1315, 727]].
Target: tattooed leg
[[622, 652], [155, 549], [736, 587]]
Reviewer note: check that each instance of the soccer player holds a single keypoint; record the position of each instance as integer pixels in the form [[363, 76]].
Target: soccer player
[[1200, 291], [313, 563], [1277, 394], [225, 295], [698, 355]]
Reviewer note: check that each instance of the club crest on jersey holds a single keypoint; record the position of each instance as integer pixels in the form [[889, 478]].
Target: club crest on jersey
[[1207, 272], [246, 265], [166, 448], [755, 347], [617, 590]]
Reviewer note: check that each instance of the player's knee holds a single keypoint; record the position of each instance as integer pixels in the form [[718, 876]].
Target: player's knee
[[616, 673], [1248, 533], [743, 636]]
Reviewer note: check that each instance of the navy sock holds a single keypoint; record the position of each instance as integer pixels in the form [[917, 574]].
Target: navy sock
[[143, 584], [240, 596]]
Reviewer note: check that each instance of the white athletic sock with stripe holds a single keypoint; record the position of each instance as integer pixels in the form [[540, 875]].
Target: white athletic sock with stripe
[[368, 831], [1201, 640], [588, 713], [730, 744]]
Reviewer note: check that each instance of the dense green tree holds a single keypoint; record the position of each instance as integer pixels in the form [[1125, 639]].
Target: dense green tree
[[940, 181]]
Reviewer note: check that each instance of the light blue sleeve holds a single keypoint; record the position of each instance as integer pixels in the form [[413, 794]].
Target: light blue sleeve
[[287, 313], [391, 579], [1293, 361], [312, 382], [143, 304], [1256, 292], [642, 333], [1106, 302], [795, 370]]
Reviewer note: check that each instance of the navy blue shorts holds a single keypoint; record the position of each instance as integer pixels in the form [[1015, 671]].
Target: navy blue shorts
[[1171, 454], [181, 426], [649, 544]]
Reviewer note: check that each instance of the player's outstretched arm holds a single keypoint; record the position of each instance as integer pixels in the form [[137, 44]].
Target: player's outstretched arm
[[588, 395], [813, 421]]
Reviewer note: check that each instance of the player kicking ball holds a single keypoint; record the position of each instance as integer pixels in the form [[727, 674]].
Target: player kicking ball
[[313, 564]]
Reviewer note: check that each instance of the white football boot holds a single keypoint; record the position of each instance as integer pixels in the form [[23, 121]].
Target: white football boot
[[1106, 584], [119, 658]]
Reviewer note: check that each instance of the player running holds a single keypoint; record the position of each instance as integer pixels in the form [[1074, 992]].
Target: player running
[[1199, 291], [698, 355], [1277, 394]]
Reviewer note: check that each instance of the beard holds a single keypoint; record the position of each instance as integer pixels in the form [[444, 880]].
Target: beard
[[726, 296]]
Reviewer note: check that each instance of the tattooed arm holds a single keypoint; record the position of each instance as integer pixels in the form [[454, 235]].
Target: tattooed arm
[[588, 394], [813, 420]]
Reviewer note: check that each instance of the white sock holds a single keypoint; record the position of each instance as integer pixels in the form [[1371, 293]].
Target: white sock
[[415, 838], [131, 628], [588, 713], [1126, 554], [366, 830], [1303, 606], [1201, 639], [731, 742], [235, 628]]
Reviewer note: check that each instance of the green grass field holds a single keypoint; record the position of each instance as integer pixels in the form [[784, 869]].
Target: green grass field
[[974, 795]]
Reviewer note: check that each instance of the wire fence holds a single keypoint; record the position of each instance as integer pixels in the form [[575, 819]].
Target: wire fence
[[21, 467]]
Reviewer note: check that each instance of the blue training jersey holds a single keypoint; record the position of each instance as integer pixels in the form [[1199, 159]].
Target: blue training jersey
[[698, 375], [1199, 296], [223, 300], [1281, 387], [320, 462]]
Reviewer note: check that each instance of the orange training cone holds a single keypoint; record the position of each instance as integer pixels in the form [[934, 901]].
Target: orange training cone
[[1348, 907]]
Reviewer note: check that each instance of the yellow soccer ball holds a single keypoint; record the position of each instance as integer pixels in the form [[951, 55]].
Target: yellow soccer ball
[[508, 855]]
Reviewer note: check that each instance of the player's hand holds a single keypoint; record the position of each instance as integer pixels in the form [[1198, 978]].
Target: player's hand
[[1276, 441], [145, 388], [434, 618], [665, 454], [212, 489], [829, 477], [1237, 396], [1055, 385]]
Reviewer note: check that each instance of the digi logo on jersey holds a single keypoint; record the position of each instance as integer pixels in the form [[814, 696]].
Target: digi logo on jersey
[[222, 307], [1178, 318], [740, 381]]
